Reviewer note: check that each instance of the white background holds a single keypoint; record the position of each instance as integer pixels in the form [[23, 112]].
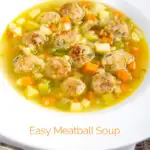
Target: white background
[[143, 5]]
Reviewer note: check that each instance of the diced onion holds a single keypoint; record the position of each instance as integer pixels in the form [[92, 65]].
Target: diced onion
[[75, 107], [85, 103], [34, 13], [102, 47]]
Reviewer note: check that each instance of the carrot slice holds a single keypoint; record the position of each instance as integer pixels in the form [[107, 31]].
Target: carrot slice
[[26, 81], [48, 101], [124, 87], [86, 4], [123, 75], [106, 39], [118, 13], [90, 68], [91, 17], [52, 27], [89, 95], [132, 66], [135, 52], [65, 19], [46, 54]]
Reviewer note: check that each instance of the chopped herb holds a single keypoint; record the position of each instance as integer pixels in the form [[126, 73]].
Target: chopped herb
[[90, 54]]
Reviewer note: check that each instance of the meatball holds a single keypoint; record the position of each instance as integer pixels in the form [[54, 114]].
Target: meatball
[[103, 82], [35, 38], [73, 10], [57, 68], [27, 64], [117, 60], [81, 54], [118, 28], [73, 87], [49, 17], [65, 39]]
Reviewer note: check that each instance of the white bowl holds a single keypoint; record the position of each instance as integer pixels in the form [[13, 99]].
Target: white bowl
[[17, 114]]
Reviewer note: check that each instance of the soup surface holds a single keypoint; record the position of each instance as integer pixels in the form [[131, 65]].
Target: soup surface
[[77, 56]]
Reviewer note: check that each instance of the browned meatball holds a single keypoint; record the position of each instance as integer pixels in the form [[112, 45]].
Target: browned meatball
[[27, 64], [117, 60], [73, 86], [57, 68], [73, 10], [118, 28], [81, 54], [49, 17], [35, 38], [65, 39], [103, 82]]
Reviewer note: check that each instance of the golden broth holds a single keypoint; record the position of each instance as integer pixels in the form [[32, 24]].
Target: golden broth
[[9, 46]]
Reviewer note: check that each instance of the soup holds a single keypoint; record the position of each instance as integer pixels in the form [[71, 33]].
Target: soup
[[77, 56]]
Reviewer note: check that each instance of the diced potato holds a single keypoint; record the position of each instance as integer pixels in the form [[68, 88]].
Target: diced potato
[[102, 47], [117, 89], [19, 82], [135, 37], [26, 50], [76, 107], [31, 25], [20, 21], [34, 13], [67, 26], [98, 8], [104, 15], [17, 31], [85, 103], [31, 92], [45, 30], [12, 26], [43, 89]]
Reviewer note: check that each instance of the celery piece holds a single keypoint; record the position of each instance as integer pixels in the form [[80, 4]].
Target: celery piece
[[62, 105], [31, 25], [34, 13], [91, 36], [31, 92], [108, 98], [119, 44], [76, 29], [43, 89], [60, 53]]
